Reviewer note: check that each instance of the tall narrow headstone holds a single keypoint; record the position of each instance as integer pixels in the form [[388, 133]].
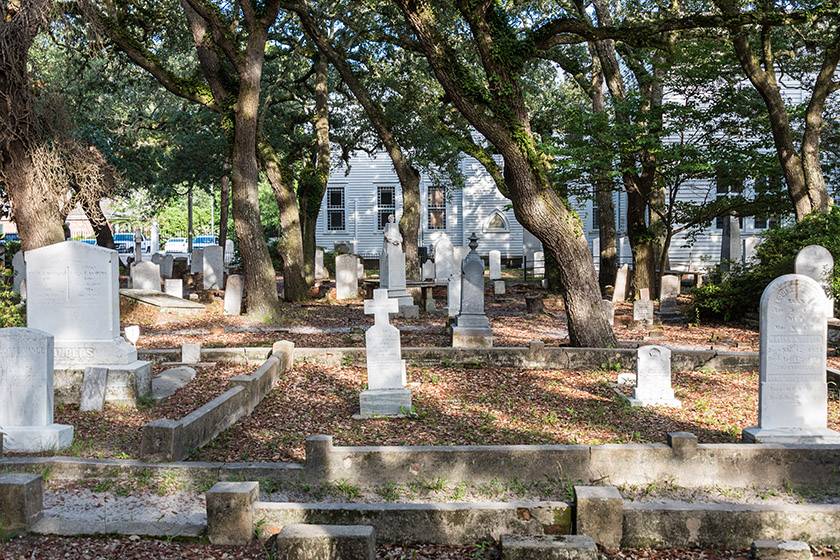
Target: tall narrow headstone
[[792, 390], [20, 270], [621, 279], [233, 295], [138, 245], [730, 247], [495, 265], [653, 378], [444, 260], [393, 265], [360, 267], [166, 265], [815, 261], [608, 308], [214, 268], [197, 261], [346, 277], [539, 263], [26, 393], [320, 271], [471, 328], [386, 394], [530, 245], [93, 388], [230, 251], [668, 294], [145, 276]]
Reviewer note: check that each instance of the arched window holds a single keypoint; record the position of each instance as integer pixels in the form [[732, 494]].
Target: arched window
[[496, 223]]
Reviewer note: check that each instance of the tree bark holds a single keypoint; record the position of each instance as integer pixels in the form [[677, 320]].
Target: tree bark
[[224, 210], [34, 204], [99, 223]]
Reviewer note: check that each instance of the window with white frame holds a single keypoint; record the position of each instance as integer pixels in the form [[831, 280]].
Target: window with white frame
[[335, 209], [496, 223], [728, 185], [386, 204], [436, 207]]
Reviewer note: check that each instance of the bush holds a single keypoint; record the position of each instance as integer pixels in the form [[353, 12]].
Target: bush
[[11, 310], [739, 292]]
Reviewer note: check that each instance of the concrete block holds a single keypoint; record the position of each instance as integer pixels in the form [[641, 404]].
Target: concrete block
[[230, 512], [548, 547], [190, 352], [158, 440], [384, 402], [780, 550], [326, 542], [684, 444], [599, 513], [285, 350], [318, 451], [21, 501]]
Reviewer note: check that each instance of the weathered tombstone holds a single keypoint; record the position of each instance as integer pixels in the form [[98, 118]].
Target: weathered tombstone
[[453, 296], [792, 390], [360, 267], [190, 352], [730, 246], [608, 307], [653, 378], [197, 261], [471, 328], [539, 263], [145, 276], [74, 295], [346, 277], [621, 279], [444, 260], [93, 388], [392, 269], [815, 261], [26, 393], [499, 287], [174, 287], [230, 251], [495, 259], [233, 295], [166, 265], [668, 294], [20, 270], [386, 394], [157, 258], [213, 268], [428, 270], [643, 311], [138, 245], [320, 271], [644, 293]]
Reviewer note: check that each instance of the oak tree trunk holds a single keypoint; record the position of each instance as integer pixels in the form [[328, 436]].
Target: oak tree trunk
[[224, 211]]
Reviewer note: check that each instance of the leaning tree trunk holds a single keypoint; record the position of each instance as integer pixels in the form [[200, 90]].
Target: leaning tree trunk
[[99, 223], [641, 244], [34, 205]]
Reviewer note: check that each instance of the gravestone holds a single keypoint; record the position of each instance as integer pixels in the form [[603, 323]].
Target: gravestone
[[621, 279], [750, 247], [392, 269], [230, 252], [166, 265], [347, 277], [499, 287], [386, 394], [730, 246], [428, 270], [815, 261], [608, 308], [644, 293], [668, 294], [145, 276], [213, 268], [792, 390], [653, 378], [320, 272], [26, 393], [453, 296], [444, 260], [530, 245], [20, 270], [495, 264], [643, 311], [93, 388], [138, 245], [197, 261], [539, 263], [360, 267], [471, 328], [157, 258], [190, 352], [233, 295], [74, 296], [174, 287]]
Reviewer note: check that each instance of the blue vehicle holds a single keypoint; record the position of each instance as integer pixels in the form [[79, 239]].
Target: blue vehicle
[[9, 237], [203, 241]]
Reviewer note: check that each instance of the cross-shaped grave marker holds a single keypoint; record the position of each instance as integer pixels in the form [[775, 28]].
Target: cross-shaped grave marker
[[380, 306]]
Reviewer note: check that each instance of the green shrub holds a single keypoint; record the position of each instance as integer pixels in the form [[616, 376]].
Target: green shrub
[[11, 312], [739, 292]]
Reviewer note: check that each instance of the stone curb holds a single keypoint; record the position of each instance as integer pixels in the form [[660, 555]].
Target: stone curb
[[71, 527]]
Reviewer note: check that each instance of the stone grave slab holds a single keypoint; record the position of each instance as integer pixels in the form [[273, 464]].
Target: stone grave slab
[[495, 264], [444, 260], [653, 378], [164, 302], [668, 294], [197, 261], [346, 277], [643, 311], [174, 287], [93, 388], [815, 261], [145, 276], [234, 290], [622, 278], [214, 267]]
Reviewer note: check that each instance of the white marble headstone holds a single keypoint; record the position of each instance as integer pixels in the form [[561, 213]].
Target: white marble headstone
[[444, 260], [428, 270], [145, 275], [668, 294], [214, 268], [174, 287], [815, 261], [622, 277], [233, 294], [320, 271], [20, 270], [495, 265], [653, 378], [74, 295], [792, 393], [643, 311], [385, 366], [346, 277], [26, 392]]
